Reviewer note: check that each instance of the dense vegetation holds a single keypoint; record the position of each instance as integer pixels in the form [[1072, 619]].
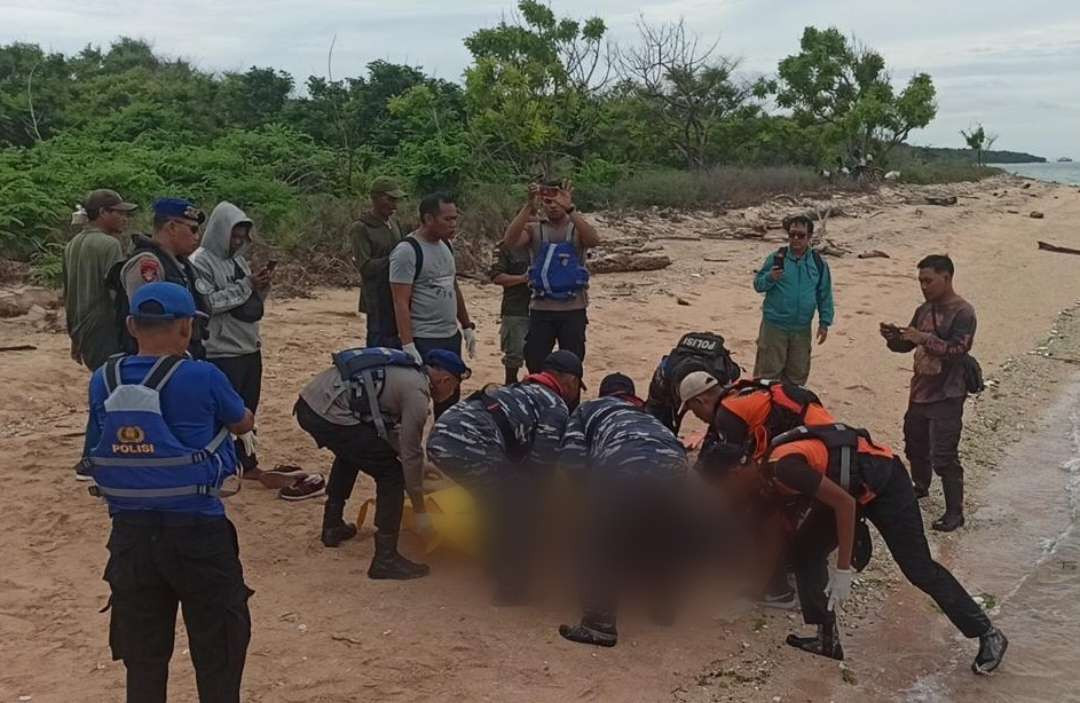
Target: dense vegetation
[[641, 124]]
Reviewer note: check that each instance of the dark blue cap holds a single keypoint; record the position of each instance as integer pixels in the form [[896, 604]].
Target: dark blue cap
[[617, 383], [163, 301], [178, 207], [564, 361], [447, 361]]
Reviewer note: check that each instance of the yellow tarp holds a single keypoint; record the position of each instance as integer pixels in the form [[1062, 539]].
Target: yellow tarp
[[453, 519]]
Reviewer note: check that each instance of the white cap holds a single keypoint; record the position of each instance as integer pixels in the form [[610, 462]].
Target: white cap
[[696, 383]]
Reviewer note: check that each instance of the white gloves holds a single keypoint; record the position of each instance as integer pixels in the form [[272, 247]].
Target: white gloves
[[839, 587], [470, 342], [248, 439], [412, 351], [423, 523]]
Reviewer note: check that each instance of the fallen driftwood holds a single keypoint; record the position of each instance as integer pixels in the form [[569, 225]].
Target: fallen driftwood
[[831, 248], [1036, 215], [735, 233], [680, 237], [1045, 246], [874, 254], [18, 347], [941, 200], [621, 263], [19, 301]]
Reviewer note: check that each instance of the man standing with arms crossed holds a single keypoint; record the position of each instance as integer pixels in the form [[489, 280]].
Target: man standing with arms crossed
[[428, 304], [796, 282]]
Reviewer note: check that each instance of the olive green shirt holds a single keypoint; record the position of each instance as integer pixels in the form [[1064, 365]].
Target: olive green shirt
[[372, 241], [88, 303]]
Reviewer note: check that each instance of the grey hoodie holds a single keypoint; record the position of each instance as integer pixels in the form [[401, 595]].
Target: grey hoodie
[[224, 282]]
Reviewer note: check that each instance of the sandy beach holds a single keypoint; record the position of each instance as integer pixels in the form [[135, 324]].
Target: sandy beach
[[323, 632]]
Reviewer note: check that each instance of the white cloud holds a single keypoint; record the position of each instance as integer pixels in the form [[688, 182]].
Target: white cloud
[[1014, 66]]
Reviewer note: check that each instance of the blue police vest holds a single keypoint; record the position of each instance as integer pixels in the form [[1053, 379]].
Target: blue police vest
[[139, 464]]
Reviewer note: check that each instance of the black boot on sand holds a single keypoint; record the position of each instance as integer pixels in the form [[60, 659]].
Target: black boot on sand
[[388, 564], [334, 528], [825, 644]]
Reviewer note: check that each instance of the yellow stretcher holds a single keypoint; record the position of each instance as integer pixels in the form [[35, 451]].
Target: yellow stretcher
[[453, 519]]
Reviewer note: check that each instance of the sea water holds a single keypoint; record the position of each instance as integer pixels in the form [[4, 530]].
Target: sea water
[[1055, 171]]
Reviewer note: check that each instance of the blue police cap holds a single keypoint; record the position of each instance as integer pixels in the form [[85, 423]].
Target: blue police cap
[[447, 361], [163, 301], [178, 207]]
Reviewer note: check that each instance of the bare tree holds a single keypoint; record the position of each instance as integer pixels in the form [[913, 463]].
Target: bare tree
[[690, 87]]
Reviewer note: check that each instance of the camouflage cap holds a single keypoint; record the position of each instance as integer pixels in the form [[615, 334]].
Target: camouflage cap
[[104, 199], [382, 184]]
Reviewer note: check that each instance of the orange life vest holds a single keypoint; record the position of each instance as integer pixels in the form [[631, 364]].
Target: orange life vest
[[834, 450], [770, 409]]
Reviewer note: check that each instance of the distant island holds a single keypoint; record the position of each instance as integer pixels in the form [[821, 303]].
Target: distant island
[[929, 153], [1064, 160]]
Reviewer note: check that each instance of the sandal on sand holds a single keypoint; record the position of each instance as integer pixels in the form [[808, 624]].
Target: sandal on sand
[[311, 486], [282, 476]]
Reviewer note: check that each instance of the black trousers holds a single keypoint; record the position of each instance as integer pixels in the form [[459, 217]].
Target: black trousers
[[635, 534], [358, 448], [895, 513], [567, 327], [245, 375], [932, 440], [427, 344], [156, 563]]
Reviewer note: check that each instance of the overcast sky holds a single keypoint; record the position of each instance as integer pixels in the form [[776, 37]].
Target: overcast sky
[[1012, 64]]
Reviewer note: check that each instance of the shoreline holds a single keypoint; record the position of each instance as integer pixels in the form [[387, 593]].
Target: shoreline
[[436, 639]]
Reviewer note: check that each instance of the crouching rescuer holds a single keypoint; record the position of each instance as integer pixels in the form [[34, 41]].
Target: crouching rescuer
[[161, 465], [850, 477], [369, 408]]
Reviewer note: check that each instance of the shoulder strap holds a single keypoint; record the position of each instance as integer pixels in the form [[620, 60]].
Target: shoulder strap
[[112, 373], [161, 372], [367, 379], [419, 252], [820, 263]]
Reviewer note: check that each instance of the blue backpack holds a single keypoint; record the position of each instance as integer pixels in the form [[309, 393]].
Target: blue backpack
[[364, 370], [557, 272], [139, 464]]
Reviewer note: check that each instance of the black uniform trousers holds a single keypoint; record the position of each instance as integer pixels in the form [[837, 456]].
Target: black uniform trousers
[[567, 327], [895, 513], [358, 448], [932, 441], [245, 374], [159, 560]]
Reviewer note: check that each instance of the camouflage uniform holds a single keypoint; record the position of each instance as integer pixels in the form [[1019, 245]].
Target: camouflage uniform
[[467, 445], [623, 441], [631, 468]]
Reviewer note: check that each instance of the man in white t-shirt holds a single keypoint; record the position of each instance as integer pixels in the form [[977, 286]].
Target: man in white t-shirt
[[428, 305]]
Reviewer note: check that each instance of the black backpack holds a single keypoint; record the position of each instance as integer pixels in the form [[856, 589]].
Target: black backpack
[[388, 316], [702, 351]]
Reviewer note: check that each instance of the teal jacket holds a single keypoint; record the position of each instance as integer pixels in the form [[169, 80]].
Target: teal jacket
[[805, 286]]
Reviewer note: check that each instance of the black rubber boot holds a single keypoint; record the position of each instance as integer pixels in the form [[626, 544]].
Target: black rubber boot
[[511, 376], [334, 528], [825, 644], [992, 648], [954, 506], [388, 564], [599, 631]]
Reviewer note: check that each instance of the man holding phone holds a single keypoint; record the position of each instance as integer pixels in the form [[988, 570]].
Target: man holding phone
[[796, 282], [235, 296]]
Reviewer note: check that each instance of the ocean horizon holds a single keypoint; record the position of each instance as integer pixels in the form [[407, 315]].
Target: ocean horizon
[[1052, 172]]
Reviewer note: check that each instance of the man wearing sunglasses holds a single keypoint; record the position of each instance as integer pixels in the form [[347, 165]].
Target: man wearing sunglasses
[[796, 283], [164, 257]]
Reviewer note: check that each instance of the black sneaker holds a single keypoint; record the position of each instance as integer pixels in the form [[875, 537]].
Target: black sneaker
[[592, 633], [82, 471], [825, 644], [992, 648], [948, 523]]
